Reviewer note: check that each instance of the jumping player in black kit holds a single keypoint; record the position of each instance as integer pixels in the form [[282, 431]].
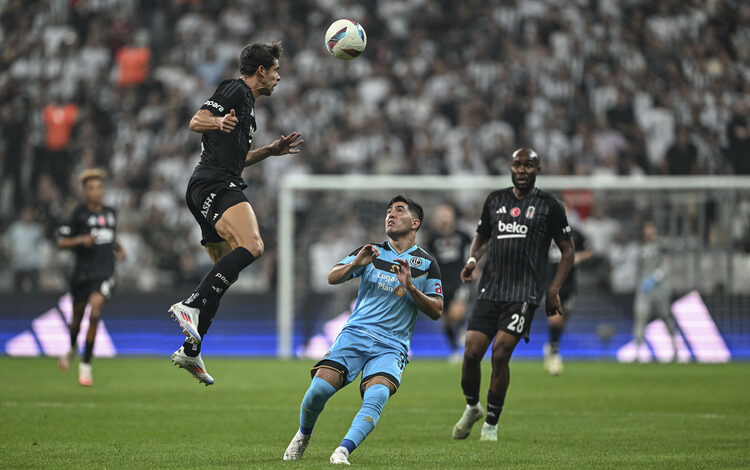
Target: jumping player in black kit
[[515, 230], [215, 192], [90, 233]]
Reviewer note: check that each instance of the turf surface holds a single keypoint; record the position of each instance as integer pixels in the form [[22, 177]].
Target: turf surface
[[141, 413]]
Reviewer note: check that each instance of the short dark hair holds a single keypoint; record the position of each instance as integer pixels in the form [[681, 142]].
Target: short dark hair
[[414, 209], [256, 54]]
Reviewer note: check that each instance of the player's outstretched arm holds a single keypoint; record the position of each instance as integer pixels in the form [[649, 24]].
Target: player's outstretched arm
[[476, 252], [343, 272], [431, 306], [284, 145], [204, 120]]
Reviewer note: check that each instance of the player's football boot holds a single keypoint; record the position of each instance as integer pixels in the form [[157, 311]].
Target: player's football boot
[[340, 456], [187, 318], [63, 362], [297, 447], [547, 356], [194, 365], [489, 432], [471, 415], [555, 365], [85, 377]]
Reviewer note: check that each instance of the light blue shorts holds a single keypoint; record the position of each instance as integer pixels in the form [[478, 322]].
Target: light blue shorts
[[355, 351]]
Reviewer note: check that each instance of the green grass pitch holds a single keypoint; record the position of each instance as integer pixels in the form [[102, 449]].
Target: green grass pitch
[[143, 413]]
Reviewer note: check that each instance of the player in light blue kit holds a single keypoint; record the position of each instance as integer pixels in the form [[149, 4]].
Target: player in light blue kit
[[398, 279]]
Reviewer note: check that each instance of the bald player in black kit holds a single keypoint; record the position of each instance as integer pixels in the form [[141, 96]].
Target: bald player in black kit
[[515, 231]]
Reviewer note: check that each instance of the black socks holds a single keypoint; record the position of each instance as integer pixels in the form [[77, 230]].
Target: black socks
[[471, 391], [495, 403], [207, 295]]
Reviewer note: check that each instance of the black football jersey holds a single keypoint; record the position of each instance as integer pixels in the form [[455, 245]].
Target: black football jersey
[[518, 234], [223, 154], [450, 251], [96, 262]]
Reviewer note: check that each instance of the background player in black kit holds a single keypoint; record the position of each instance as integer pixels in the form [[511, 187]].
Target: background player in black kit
[[553, 362], [90, 233], [515, 231], [449, 245], [215, 194]]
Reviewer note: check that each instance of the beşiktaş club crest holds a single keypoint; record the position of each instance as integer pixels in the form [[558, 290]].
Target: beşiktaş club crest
[[416, 262], [530, 212]]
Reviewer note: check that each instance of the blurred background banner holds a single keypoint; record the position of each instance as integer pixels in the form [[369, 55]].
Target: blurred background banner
[[639, 111]]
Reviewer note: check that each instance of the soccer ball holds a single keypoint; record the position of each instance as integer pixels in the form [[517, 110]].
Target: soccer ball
[[345, 39]]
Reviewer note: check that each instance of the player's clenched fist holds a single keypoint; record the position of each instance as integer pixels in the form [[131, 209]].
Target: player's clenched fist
[[228, 122]]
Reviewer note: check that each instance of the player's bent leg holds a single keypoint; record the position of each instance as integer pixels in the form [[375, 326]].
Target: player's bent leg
[[502, 350], [323, 386], [377, 392], [476, 345], [64, 361], [239, 227], [194, 365]]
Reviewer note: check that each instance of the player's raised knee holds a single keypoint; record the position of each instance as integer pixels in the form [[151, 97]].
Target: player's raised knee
[[254, 246]]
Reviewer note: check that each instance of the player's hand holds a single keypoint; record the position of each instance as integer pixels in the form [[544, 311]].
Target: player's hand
[[553, 304], [467, 273], [121, 255], [286, 144], [87, 240], [404, 273], [366, 255], [228, 122]]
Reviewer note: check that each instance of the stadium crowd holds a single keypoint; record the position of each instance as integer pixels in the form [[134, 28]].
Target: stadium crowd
[[597, 87]]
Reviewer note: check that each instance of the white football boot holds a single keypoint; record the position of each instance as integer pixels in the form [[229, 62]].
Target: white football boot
[[340, 456], [187, 318], [555, 365], [194, 365], [471, 415], [297, 447], [85, 377], [63, 362], [489, 432]]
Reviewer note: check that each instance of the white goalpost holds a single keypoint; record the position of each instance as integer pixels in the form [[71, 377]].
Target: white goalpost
[[705, 219]]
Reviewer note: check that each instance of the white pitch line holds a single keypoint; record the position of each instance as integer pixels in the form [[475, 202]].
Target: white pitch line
[[415, 410]]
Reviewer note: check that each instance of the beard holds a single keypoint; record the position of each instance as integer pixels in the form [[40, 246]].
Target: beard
[[526, 185]]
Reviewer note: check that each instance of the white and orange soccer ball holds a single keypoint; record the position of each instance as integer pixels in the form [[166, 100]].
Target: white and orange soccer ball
[[346, 39]]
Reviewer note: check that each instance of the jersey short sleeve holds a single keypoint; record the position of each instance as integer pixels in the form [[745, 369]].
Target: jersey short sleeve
[[226, 97], [433, 284], [485, 222], [558, 222], [71, 227], [349, 258]]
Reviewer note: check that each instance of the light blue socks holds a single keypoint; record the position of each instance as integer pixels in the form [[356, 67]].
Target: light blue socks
[[312, 404], [373, 403]]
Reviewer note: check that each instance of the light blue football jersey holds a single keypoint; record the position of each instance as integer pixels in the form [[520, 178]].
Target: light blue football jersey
[[384, 309]]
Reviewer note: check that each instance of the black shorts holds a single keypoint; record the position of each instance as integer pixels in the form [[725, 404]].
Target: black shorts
[[459, 292], [81, 291], [489, 317], [207, 200]]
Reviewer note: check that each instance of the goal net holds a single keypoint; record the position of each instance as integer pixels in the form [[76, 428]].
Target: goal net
[[703, 221]]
